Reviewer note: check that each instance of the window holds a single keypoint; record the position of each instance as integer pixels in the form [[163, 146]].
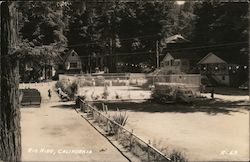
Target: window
[[171, 62], [167, 63], [73, 65]]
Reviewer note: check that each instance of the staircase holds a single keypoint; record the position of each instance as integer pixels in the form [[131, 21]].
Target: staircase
[[30, 97]]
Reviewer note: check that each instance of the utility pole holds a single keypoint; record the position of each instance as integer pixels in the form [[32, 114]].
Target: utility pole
[[249, 50], [157, 54], [111, 53]]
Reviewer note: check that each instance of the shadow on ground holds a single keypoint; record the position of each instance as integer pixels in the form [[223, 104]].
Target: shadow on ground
[[210, 107], [230, 91], [64, 106]]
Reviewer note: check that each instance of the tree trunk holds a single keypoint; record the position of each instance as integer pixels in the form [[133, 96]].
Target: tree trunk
[[10, 130]]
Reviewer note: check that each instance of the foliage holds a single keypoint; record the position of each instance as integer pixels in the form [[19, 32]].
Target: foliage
[[164, 96], [174, 154], [99, 31], [41, 29], [104, 29], [120, 118], [69, 88], [105, 92], [219, 22]]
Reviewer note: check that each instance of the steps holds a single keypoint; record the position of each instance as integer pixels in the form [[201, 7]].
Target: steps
[[30, 97]]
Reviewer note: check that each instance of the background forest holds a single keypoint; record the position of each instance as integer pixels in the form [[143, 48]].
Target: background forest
[[127, 32]]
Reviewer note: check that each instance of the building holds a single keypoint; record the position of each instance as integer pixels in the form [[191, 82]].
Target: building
[[222, 70], [215, 69], [72, 62], [180, 62]]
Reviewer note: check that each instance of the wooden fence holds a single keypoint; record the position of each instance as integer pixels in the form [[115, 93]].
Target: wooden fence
[[137, 146]]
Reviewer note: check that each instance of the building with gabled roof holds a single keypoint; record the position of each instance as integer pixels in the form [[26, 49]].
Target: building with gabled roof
[[180, 62], [71, 62]]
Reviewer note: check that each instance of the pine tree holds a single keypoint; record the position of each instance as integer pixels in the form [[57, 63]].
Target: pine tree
[[10, 131]]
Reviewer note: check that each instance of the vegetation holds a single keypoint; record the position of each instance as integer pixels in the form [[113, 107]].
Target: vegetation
[[174, 154], [164, 96], [102, 31], [120, 118], [69, 88]]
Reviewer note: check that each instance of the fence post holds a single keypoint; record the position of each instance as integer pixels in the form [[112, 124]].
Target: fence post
[[107, 125], [148, 151], [83, 106], [118, 130], [130, 142], [99, 114]]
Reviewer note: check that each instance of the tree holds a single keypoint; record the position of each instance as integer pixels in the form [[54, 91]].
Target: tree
[[10, 131], [42, 27]]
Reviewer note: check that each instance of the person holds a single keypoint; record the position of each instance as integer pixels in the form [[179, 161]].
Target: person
[[212, 93], [49, 93]]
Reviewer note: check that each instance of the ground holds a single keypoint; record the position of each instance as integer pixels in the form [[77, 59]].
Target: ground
[[55, 132], [208, 130]]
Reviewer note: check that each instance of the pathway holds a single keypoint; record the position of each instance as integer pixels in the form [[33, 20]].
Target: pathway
[[55, 132]]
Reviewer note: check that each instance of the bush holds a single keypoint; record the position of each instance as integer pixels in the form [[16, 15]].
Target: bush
[[105, 93], [78, 100], [118, 83], [99, 81], [120, 118], [178, 156], [173, 154], [164, 96], [69, 89]]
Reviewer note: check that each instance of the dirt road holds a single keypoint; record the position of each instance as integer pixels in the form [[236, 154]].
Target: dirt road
[[55, 132]]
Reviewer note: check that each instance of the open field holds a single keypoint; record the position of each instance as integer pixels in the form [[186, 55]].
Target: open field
[[208, 130], [204, 134]]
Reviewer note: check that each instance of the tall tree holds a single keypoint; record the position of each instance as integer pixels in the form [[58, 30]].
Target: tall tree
[[10, 131], [42, 27]]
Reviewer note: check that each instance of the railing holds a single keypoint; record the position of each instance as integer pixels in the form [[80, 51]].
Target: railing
[[138, 147]]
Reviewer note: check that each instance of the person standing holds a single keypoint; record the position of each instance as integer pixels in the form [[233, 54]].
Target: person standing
[[212, 93], [49, 93]]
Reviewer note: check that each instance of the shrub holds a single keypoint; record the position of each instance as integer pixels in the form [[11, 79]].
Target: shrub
[[105, 93], [99, 81], [177, 156], [61, 84], [173, 154], [163, 96], [69, 89], [118, 83], [120, 118]]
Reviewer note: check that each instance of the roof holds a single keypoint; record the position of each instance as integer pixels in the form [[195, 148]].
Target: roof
[[68, 54], [175, 39], [185, 55], [211, 58]]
